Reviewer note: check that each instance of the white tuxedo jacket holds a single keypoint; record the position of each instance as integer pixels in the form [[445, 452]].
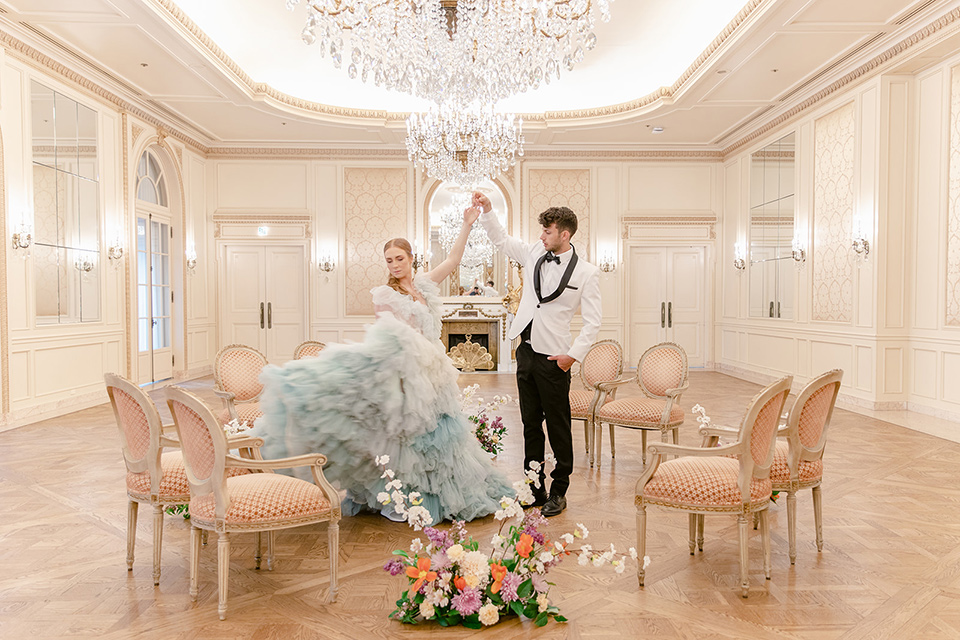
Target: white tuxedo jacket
[[550, 334]]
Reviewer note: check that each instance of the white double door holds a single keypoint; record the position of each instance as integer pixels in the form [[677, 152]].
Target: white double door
[[265, 298], [667, 300]]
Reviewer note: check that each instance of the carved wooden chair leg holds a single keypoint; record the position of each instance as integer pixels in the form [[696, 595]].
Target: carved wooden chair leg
[[157, 541], [792, 524], [195, 535], [700, 532], [613, 442], [744, 555], [597, 447], [333, 542], [765, 541], [641, 541], [259, 546], [132, 508], [271, 543], [223, 571], [692, 525], [818, 517], [592, 448], [756, 520], [643, 446], [586, 436], [203, 536]]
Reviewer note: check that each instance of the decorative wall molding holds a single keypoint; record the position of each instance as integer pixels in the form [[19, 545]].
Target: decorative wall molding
[[255, 219], [128, 224], [953, 206], [562, 188], [4, 320], [305, 153], [629, 222]]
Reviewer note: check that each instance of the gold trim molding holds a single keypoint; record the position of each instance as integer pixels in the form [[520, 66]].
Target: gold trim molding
[[220, 219], [669, 221]]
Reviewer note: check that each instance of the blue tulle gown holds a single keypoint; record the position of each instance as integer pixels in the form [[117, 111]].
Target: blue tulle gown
[[395, 393]]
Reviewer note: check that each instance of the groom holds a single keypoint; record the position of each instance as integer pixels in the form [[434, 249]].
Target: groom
[[561, 283]]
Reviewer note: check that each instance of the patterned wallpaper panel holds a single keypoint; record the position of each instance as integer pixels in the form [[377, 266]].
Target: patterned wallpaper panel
[[562, 188], [375, 210], [833, 259], [953, 209]]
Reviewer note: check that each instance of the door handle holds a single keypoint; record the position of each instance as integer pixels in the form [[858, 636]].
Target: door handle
[[663, 315], [771, 310], [269, 315], [670, 314], [261, 315]]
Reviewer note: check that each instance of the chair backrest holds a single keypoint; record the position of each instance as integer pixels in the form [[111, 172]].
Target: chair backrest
[[237, 370], [139, 425], [663, 366], [758, 433], [308, 349], [810, 416], [603, 363], [204, 446]]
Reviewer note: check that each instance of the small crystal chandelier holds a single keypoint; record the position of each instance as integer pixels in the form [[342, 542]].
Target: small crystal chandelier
[[485, 49], [479, 250], [464, 146]]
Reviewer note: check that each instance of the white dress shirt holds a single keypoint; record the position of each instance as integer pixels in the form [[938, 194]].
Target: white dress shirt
[[550, 334]]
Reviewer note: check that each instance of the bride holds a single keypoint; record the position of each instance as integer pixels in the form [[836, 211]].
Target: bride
[[395, 393]]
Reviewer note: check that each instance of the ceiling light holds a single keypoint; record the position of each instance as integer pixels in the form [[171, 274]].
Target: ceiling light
[[657, 130]]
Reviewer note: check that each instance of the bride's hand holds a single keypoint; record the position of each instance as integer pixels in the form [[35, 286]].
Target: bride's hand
[[481, 202], [470, 216]]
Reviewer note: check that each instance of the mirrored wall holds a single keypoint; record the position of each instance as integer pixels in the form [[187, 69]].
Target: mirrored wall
[[66, 218], [773, 270], [482, 270]]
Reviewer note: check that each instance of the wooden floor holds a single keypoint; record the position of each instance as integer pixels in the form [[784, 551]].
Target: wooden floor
[[890, 567]]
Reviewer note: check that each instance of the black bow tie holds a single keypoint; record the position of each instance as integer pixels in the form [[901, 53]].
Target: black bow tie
[[552, 258]]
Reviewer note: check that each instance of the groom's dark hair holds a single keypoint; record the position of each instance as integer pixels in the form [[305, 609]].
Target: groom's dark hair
[[563, 217]]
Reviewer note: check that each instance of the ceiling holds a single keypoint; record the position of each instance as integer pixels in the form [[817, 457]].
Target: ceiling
[[235, 74]]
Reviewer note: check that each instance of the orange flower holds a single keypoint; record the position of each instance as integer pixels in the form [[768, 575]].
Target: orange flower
[[498, 571], [525, 545], [421, 573], [460, 583]]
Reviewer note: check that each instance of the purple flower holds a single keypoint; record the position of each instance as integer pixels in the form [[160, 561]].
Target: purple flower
[[508, 587], [533, 533], [467, 602], [539, 583], [439, 561], [458, 531], [533, 519], [439, 539], [395, 567]]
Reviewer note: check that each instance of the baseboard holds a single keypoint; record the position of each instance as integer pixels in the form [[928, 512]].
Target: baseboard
[[42, 412]]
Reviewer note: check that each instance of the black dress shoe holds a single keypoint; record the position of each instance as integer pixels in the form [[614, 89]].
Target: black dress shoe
[[554, 506]]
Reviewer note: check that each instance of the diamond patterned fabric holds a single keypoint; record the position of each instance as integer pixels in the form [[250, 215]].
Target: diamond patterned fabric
[[765, 429], [248, 412], [308, 350], [238, 371], [195, 440], [136, 428], [813, 416], [580, 404], [809, 471], [603, 363], [264, 498], [638, 412], [173, 482], [707, 482], [661, 369]]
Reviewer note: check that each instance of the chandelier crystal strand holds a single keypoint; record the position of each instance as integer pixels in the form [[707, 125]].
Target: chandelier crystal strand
[[486, 50], [479, 250], [464, 145]]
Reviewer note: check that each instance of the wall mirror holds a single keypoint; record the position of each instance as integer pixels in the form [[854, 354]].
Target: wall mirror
[[482, 271], [66, 210], [772, 211]]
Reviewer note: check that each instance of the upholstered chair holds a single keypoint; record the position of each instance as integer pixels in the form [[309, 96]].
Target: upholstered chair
[[603, 363], [154, 476], [308, 349], [798, 458], [252, 503], [662, 377], [236, 374], [732, 479]]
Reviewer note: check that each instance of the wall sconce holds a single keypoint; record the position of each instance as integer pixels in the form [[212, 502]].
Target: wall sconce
[[862, 246], [739, 257], [191, 259], [326, 262], [799, 253], [22, 237], [421, 259], [115, 250], [608, 263], [83, 264]]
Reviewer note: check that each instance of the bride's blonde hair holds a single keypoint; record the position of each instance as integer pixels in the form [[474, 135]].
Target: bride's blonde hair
[[403, 245]]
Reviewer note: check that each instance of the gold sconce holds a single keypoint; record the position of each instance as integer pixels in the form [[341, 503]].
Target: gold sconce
[[608, 263], [191, 260], [22, 237], [739, 257]]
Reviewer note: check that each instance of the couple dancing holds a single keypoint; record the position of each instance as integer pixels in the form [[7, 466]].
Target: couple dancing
[[396, 393]]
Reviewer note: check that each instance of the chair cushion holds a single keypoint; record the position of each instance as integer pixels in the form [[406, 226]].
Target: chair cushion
[[173, 485], [262, 498], [809, 470], [580, 404], [248, 412], [701, 482], [640, 412]]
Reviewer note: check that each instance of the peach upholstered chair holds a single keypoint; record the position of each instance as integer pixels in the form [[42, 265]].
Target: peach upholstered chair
[[662, 377], [603, 363], [308, 349], [731, 479], [236, 374], [798, 458], [250, 503]]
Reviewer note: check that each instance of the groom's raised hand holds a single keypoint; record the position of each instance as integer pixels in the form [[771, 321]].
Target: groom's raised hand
[[564, 361], [481, 202]]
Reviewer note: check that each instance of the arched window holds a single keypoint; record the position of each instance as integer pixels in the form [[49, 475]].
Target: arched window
[[151, 186]]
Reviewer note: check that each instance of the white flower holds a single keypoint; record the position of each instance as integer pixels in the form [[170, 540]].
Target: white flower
[[538, 566], [697, 409], [550, 459], [646, 561], [416, 546], [394, 485], [524, 492], [598, 561], [387, 473], [383, 497], [633, 553], [474, 563], [558, 546], [581, 531], [426, 610], [419, 517], [567, 538], [489, 614], [414, 498], [455, 553], [583, 559], [496, 541], [546, 556], [382, 460], [511, 509], [542, 602], [534, 465], [472, 581], [619, 566]]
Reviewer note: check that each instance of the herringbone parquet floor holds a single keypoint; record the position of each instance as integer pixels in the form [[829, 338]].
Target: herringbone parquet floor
[[890, 567]]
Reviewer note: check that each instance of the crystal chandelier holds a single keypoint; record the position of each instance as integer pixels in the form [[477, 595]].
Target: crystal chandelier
[[467, 50], [464, 145], [479, 250]]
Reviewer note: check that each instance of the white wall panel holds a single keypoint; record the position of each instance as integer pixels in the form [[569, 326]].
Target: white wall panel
[[730, 278], [893, 370], [675, 187], [930, 191], [950, 379], [262, 186], [773, 353], [830, 355], [63, 369], [21, 373], [867, 168], [863, 373], [925, 373], [730, 346]]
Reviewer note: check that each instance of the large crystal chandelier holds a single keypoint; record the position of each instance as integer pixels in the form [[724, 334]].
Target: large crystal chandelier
[[464, 145], [467, 50], [479, 250]]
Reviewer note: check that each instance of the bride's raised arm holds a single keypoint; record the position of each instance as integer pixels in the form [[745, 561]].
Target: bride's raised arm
[[439, 273]]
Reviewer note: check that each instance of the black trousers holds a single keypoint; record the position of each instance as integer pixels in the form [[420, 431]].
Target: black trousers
[[544, 390]]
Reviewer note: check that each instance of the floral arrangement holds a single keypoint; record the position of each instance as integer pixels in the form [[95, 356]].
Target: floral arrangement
[[452, 581], [489, 431]]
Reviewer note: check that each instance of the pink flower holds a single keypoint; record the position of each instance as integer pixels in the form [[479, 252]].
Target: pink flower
[[508, 587], [467, 602]]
